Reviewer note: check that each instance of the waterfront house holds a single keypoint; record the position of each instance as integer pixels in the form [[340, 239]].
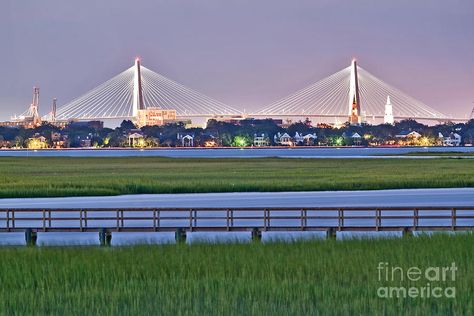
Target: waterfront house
[[309, 139], [186, 140], [37, 142], [283, 139], [59, 140], [453, 139], [408, 134], [135, 139], [260, 140], [356, 139]]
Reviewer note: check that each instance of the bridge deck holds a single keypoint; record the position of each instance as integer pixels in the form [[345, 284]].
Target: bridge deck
[[239, 219]]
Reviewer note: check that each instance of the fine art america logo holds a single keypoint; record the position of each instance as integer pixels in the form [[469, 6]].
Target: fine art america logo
[[431, 282]]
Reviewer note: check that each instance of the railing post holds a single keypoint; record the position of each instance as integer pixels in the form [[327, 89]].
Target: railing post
[[378, 220], [265, 219], [105, 237], [85, 219], [8, 220], [302, 219], [340, 217], [453, 219], [195, 218], [331, 233], [118, 220], [415, 219], [30, 237], [44, 220], [268, 219], [180, 235], [256, 234], [80, 220], [191, 220]]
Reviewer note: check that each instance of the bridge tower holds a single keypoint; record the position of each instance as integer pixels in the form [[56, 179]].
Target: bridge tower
[[53, 110], [33, 110], [137, 89], [354, 96]]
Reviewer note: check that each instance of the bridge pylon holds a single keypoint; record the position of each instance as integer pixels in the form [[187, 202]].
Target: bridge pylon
[[137, 89], [354, 96]]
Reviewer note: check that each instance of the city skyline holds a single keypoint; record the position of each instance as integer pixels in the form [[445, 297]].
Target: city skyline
[[233, 57]]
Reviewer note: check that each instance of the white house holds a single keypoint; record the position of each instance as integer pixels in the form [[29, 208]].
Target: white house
[[186, 140], [356, 139], [134, 139], [454, 139], [405, 134], [309, 139], [260, 140], [298, 138], [284, 140]]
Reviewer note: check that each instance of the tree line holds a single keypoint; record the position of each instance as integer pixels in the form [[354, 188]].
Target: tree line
[[241, 133]]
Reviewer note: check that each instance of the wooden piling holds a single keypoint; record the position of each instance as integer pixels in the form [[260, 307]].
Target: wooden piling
[[407, 232], [331, 233], [105, 237], [30, 237], [256, 234], [180, 236]]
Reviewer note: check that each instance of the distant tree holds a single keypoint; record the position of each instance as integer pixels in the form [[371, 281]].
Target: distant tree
[[19, 141], [410, 125], [468, 136], [226, 139], [9, 133], [299, 127], [127, 125]]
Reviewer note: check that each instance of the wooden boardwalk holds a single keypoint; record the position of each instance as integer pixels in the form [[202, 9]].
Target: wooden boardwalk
[[238, 219]]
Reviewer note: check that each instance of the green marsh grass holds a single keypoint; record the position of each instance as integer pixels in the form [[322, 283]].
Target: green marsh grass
[[306, 277], [435, 153], [64, 176]]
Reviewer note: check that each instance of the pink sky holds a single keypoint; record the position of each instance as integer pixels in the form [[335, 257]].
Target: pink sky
[[245, 53]]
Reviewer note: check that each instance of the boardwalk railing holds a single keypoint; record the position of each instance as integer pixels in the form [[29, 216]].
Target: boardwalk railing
[[238, 219]]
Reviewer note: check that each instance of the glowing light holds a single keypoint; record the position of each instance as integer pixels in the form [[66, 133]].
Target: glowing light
[[36, 143], [240, 141], [210, 143]]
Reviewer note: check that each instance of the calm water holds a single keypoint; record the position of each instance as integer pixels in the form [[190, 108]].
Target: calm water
[[233, 152], [130, 238]]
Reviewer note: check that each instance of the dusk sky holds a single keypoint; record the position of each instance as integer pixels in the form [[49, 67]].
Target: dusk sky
[[245, 53]]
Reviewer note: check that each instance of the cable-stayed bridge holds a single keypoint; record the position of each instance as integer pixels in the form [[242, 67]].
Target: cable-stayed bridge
[[354, 94], [140, 88], [351, 94]]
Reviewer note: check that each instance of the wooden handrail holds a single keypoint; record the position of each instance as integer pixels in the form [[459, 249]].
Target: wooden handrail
[[247, 218]]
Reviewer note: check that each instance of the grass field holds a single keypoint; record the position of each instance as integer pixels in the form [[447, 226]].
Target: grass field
[[60, 176], [311, 277], [435, 153]]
